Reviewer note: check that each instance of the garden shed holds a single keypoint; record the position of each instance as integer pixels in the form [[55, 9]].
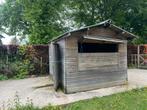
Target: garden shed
[[89, 58]]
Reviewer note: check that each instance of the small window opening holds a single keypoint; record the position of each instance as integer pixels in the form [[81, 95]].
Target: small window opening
[[95, 48]]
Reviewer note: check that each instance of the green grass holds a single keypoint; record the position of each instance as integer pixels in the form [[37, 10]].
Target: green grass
[[131, 100]]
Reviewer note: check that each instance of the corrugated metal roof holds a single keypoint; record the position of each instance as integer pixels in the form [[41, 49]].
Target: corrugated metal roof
[[104, 23]]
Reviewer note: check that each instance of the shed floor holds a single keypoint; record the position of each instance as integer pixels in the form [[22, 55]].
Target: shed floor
[[40, 90]]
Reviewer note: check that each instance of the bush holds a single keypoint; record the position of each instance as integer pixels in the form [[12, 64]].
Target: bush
[[21, 61], [3, 77], [22, 69], [23, 66]]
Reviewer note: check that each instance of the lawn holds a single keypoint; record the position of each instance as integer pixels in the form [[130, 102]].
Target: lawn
[[131, 100]]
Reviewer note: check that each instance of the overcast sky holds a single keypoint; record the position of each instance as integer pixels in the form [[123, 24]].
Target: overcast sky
[[1, 1], [7, 38]]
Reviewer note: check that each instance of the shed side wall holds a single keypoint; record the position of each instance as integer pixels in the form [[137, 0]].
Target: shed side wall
[[60, 61], [61, 44]]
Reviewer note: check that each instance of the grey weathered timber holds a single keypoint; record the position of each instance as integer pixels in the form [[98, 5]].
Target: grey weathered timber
[[81, 71]]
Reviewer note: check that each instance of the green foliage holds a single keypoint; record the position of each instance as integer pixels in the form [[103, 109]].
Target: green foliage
[[11, 18], [52, 108], [23, 61], [19, 65], [131, 100], [45, 22], [128, 14], [3, 77], [23, 66], [42, 20], [38, 19]]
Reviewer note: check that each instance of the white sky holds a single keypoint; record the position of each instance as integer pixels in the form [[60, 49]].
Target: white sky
[[2, 1], [7, 38]]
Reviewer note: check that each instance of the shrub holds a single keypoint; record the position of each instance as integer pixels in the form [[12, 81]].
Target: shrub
[[23, 66], [21, 61], [22, 69], [3, 77]]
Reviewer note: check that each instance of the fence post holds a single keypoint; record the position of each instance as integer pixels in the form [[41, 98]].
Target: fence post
[[7, 61], [138, 54], [41, 64]]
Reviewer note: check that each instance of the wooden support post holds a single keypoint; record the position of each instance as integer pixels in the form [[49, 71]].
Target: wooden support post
[[41, 64], [132, 60], [7, 61], [138, 55], [135, 59]]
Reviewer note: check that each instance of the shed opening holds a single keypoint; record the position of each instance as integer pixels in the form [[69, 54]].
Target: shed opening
[[97, 47]]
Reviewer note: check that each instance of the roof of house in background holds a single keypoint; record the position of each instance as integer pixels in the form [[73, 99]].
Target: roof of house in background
[[107, 23]]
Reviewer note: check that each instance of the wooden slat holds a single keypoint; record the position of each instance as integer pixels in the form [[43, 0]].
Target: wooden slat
[[89, 61], [95, 78], [95, 86], [104, 38]]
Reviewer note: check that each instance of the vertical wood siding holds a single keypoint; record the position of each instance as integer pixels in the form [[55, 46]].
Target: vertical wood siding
[[82, 77]]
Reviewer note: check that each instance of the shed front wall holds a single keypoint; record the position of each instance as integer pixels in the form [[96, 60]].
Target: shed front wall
[[81, 74]]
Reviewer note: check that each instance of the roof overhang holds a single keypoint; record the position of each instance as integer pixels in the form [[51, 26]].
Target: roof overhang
[[107, 23], [105, 39], [123, 32]]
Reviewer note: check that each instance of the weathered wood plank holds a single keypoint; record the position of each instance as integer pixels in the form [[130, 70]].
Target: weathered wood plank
[[98, 72], [91, 80], [88, 61], [95, 86]]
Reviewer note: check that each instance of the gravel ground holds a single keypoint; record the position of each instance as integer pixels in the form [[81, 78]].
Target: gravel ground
[[40, 90]]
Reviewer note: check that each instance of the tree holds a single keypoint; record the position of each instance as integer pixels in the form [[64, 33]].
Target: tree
[[41, 20], [38, 19], [11, 18], [128, 14], [44, 18]]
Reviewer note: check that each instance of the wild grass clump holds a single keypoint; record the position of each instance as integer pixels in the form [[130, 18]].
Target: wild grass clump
[[17, 105]]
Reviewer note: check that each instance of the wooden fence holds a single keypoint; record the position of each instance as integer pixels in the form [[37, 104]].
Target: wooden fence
[[9, 55], [136, 56]]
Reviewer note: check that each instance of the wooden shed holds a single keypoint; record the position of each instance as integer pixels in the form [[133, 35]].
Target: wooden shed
[[89, 58]]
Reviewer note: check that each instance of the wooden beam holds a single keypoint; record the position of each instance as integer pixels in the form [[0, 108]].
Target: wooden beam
[[104, 38], [138, 54]]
